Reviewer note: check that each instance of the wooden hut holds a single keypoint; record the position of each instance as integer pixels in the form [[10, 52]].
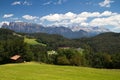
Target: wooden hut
[[16, 59]]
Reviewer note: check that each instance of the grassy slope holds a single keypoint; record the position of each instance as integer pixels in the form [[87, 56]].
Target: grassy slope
[[32, 42], [34, 71]]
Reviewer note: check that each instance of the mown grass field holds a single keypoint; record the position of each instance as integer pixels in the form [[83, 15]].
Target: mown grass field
[[32, 42], [36, 71]]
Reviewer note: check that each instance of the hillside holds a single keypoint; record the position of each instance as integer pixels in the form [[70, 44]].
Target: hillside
[[35, 71], [53, 41], [10, 45], [32, 41], [105, 42], [101, 51]]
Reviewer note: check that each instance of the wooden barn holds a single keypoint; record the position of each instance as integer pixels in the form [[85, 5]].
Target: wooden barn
[[16, 59]]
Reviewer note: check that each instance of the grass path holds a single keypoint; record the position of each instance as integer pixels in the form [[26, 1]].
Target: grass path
[[35, 71]]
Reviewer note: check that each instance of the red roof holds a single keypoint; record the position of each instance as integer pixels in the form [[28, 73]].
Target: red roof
[[15, 57]]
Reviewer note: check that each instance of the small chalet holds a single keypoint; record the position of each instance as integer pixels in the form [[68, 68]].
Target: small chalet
[[64, 47], [16, 59]]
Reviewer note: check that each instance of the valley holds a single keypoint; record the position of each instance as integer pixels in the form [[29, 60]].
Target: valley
[[59, 39]]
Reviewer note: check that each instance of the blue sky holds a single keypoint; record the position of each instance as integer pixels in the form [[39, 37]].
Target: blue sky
[[85, 13]]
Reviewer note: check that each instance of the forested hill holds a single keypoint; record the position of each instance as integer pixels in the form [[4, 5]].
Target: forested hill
[[54, 41], [10, 45], [105, 42], [102, 51], [5, 31]]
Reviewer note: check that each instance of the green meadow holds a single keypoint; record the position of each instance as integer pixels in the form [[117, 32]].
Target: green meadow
[[32, 42], [36, 71]]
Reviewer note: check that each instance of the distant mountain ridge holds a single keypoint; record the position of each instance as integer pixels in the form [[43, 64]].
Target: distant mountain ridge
[[90, 29], [71, 32]]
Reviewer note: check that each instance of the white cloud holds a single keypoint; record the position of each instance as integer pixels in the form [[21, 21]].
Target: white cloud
[[78, 20], [85, 19], [60, 2], [96, 14], [29, 17], [8, 15], [84, 24], [89, 14], [75, 18], [63, 23], [106, 3], [47, 3], [57, 2], [14, 18], [1, 23], [113, 21], [16, 3], [109, 21], [18, 21], [25, 2], [69, 15], [58, 17], [51, 17], [107, 13]]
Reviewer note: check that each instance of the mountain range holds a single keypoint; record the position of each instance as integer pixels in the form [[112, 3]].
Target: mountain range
[[68, 32]]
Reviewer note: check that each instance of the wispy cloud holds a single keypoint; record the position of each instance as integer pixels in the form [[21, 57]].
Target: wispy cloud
[[27, 3], [47, 3], [106, 3], [16, 3], [60, 2], [8, 15], [21, 3], [57, 2], [29, 17], [88, 3]]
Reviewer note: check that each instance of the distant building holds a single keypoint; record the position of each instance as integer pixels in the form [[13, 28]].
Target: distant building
[[64, 47], [51, 52], [16, 59]]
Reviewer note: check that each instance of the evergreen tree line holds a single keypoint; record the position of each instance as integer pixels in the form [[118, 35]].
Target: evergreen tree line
[[11, 45], [74, 57], [97, 55]]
